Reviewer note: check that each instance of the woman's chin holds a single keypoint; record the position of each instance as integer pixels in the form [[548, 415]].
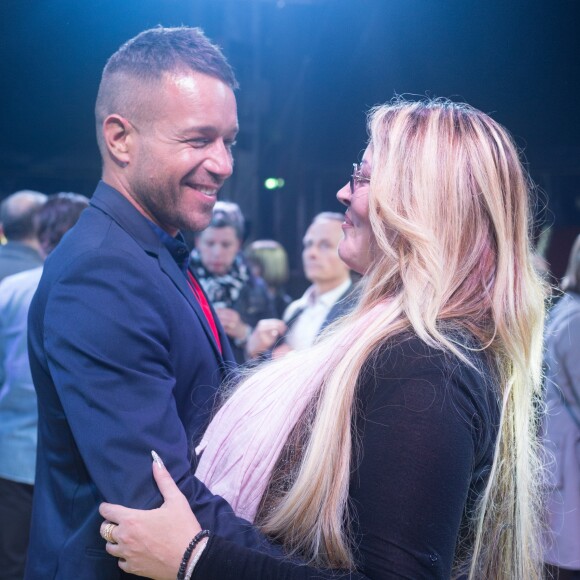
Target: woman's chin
[[349, 257]]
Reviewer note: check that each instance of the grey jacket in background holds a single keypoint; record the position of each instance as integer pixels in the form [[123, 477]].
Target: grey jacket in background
[[16, 257], [562, 432]]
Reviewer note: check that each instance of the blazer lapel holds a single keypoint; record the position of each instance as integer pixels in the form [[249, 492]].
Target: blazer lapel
[[110, 201], [171, 269]]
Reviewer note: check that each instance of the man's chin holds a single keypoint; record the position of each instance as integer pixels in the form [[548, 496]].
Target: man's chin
[[197, 223], [311, 271]]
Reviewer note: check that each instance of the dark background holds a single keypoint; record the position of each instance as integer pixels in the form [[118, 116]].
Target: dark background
[[308, 70]]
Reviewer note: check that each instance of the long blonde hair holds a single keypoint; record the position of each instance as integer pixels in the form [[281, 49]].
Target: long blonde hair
[[448, 205]]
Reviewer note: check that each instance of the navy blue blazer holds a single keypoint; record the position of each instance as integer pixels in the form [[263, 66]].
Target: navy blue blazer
[[123, 362]]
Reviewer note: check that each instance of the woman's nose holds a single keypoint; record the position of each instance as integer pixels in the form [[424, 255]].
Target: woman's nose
[[343, 194]]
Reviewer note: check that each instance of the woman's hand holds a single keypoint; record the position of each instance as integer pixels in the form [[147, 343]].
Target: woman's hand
[[151, 543]]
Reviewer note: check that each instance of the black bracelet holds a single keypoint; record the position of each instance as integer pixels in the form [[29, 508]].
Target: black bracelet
[[187, 555]]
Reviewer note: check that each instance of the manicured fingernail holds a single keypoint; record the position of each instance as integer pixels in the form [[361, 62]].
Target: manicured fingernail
[[157, 459]]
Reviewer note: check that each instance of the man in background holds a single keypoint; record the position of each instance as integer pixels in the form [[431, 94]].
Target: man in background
[[18, 412], [330, 296], [21, 250]]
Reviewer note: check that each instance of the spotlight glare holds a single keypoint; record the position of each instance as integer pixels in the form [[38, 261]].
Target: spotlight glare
[[274, 183]]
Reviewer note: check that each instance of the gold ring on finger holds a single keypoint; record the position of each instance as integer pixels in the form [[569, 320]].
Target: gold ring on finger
[[107, 532]]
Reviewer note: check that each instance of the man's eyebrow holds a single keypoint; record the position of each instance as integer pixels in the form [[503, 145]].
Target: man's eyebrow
[[207, 129]]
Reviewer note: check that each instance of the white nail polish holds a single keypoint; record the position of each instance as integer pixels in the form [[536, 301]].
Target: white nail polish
[[157, 459]]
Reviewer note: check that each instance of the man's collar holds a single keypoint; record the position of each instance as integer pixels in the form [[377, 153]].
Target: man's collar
[[330, 297], [21, 247], [176, 246]]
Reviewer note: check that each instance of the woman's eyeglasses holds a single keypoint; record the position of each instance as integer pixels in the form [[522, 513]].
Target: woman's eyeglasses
[[357, 178]]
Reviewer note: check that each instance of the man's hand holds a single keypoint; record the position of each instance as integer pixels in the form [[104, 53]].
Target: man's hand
[[264, 336], [281, 350]]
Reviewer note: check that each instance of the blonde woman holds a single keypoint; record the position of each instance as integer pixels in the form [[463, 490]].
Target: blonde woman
[[402, 445], [269, 261]]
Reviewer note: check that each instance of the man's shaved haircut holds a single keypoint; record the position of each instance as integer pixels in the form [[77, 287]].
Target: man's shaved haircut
[[130, 74]]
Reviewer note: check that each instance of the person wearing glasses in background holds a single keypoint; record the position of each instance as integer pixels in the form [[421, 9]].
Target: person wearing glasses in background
[[403, 443]]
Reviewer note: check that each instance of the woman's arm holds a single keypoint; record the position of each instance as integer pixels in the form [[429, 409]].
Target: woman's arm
[[420, 440], [152, 543]]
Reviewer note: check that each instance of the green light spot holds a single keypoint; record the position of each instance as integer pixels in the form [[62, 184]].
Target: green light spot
[[274, 183]]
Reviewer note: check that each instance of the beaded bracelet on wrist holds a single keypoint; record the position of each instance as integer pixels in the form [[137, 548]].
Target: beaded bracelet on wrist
[[189, 550], [194, 561]]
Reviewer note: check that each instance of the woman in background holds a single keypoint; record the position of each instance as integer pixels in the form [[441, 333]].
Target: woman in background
[[239, 297], [269, 261], [402, 444], [562, 426]]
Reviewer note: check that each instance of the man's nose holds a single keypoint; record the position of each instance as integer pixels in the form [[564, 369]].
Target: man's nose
[[220, 161], [311, 251]]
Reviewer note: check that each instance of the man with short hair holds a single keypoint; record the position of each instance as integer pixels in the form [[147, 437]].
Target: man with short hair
[[18, 413], [330, 296], [126, 352], [22, 250], [322, 302]]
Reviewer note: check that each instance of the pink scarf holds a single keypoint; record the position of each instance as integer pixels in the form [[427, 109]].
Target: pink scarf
[[244, 440]]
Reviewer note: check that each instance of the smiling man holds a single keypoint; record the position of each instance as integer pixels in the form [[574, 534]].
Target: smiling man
[[126, 353]]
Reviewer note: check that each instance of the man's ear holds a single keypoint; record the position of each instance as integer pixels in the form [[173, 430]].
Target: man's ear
[[118, 136]]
